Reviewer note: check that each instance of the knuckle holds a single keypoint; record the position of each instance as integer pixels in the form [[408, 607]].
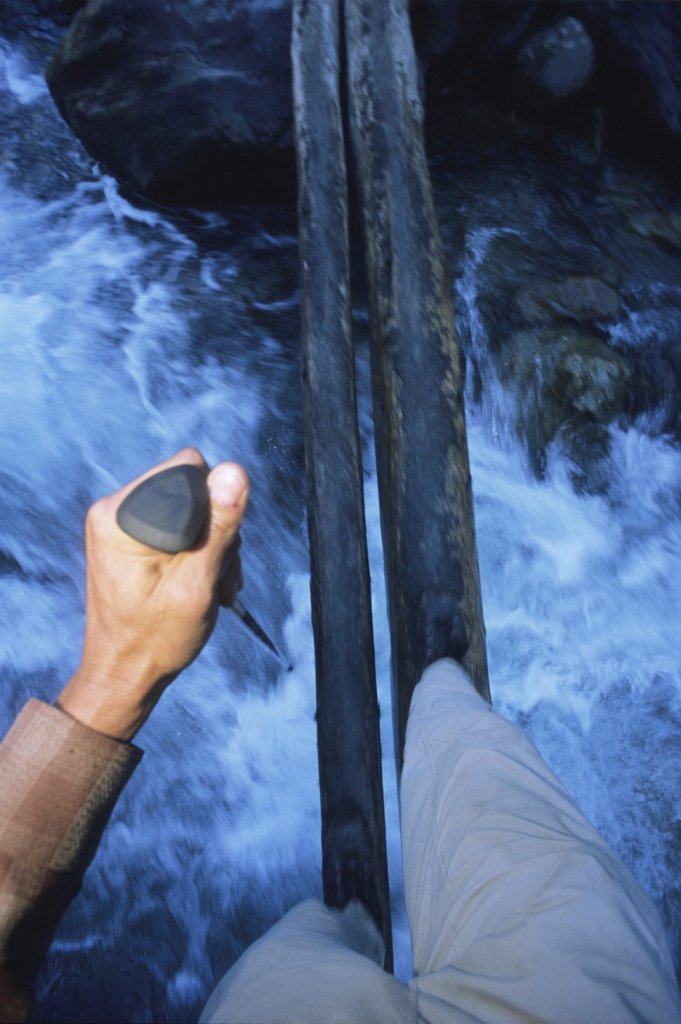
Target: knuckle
[[97, 515], [192, 455]]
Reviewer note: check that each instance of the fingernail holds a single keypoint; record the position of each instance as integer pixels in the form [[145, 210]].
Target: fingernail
[[226, 485]]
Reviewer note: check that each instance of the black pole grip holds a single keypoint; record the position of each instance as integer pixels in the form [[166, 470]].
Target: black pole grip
[[167, 511]]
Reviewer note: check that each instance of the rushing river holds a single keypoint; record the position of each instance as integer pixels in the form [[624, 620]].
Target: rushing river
[[126, 333]]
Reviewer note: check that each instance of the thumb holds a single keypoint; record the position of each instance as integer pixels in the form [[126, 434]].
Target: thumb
[[228, 495]]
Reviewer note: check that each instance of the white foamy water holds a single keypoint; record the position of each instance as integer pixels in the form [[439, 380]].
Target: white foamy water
[[124, 337], [19, 80]]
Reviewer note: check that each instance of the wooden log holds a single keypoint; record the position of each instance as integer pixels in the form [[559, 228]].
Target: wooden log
[[424, 478], [354, 860]]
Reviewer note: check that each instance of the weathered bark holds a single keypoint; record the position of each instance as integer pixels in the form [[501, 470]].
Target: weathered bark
[[353, 825], [424, 479]]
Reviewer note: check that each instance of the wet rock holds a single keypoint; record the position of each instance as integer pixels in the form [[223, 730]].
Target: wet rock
[[573, 298], [632, 101], [191, 102], [61, 162], [584, 376], [187, 103], [435, 25], [33, 25], [637, 88], [564, 378], [651, 341], [587, 445], [555, 65], [526, 279], [661, 226], [641, 48]]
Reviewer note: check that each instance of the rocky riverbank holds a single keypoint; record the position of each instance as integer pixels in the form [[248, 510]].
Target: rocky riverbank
[[191, 103]]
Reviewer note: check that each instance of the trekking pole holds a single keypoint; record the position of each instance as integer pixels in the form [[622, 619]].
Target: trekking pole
[[168, 511]]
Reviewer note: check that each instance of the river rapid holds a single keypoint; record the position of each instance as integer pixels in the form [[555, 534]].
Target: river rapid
[[127, 332]]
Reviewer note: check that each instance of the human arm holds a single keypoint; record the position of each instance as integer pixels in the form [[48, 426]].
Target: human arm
[[149, 613], [62, 768]]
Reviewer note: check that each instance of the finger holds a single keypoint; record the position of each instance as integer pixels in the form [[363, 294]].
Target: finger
[[228, 497], [102, 515], [186, 456]]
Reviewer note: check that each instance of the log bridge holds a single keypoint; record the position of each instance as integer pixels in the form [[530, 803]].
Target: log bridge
[[358, 116]]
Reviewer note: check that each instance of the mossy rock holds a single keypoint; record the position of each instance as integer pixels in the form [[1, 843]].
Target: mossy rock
[[576, 297], [563, 376]]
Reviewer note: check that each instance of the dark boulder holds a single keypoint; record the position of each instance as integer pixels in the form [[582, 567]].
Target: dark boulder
[[650, 340], [554, 65], [633, 47], [435, 26], [640, 46], [184, 102], [191, 102], [586, 443], [577, 297], [566, 379], [661, 225]]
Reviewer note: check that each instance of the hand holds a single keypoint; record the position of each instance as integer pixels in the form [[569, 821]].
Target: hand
[[150, 613]]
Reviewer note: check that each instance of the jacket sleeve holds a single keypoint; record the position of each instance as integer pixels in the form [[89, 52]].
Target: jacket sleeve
[[59, 782]]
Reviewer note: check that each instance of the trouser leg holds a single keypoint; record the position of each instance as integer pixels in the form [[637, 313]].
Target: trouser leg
[[517, 908], [315, 966]]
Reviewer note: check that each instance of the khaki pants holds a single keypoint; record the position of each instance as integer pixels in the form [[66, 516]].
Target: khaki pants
[[518, 910]]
